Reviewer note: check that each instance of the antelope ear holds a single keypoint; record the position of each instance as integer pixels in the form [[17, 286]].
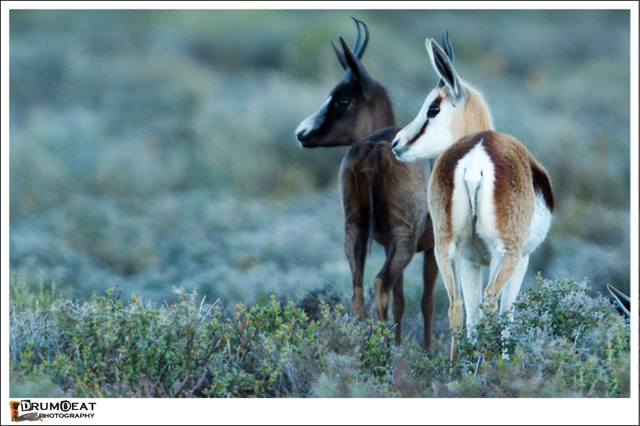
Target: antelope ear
[[340, 56], [358, 70], [447, 45], [443, 66]]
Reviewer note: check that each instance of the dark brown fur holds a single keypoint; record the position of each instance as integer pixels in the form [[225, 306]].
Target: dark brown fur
[[383, 199], [541, 183], [362, 117]]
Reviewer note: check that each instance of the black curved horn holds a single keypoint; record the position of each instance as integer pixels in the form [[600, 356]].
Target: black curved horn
[[358, 50], [361, 45]]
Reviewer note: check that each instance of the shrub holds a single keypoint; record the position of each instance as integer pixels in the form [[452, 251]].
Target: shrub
[[102, 347], [557, 332], [560, 342]]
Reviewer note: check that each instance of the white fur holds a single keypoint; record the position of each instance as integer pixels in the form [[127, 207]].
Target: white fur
[[452, 251], [537, 232], [539, 227], [471, 281], [474, 171], [436, 138], [512, 288], [473, 185], [314, 120]]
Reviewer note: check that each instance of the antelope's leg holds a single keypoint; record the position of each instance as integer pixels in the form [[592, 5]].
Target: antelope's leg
[[502, 268], [398, 306], [399, 254], [511, 290], [430, 275], [471, 281], [355, 247], [446, 257]]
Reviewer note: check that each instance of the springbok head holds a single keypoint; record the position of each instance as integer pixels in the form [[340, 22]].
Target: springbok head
[[452, 109], [355, 108]]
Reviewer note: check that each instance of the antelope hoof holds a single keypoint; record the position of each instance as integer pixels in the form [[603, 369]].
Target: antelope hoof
[[357, 305], [491, 301], [454, 352], [382, 300]]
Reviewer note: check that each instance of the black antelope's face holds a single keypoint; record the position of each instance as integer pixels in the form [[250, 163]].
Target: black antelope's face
[[337, 121], [346, 117]]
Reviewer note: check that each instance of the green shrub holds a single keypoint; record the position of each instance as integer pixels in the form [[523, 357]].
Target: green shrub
[[560, 342], [557, 332], [103, 347]]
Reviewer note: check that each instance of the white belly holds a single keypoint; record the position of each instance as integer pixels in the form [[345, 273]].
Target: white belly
[[539, 227]]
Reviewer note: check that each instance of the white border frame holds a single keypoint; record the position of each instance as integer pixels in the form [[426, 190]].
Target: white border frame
[[339, 411]]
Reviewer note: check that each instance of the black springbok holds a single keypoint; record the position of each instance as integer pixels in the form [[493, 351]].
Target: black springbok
[[382, 198]]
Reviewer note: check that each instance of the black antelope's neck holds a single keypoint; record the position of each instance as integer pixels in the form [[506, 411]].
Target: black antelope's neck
[[383, 111]]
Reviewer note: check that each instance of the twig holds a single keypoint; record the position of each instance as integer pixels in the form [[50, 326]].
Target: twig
[[478, 364]]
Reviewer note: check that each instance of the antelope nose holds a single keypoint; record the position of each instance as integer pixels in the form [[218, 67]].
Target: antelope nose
[[394, 143], [301, 136]]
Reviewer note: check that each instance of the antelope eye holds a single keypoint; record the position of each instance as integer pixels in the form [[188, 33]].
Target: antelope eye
[[433, 111], [344, 102]]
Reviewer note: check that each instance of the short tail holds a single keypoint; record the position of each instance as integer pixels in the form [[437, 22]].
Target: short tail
[[375, 163], [372, 158], [472, 180], [361, 176]]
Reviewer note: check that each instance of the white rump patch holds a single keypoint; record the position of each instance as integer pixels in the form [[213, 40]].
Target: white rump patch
[[473, 192]]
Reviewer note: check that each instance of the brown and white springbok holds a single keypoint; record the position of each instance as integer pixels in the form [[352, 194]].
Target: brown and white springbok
[[490, 200], [382, 198]]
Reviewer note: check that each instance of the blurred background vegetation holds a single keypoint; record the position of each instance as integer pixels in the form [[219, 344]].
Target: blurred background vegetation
[[152, 149]]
